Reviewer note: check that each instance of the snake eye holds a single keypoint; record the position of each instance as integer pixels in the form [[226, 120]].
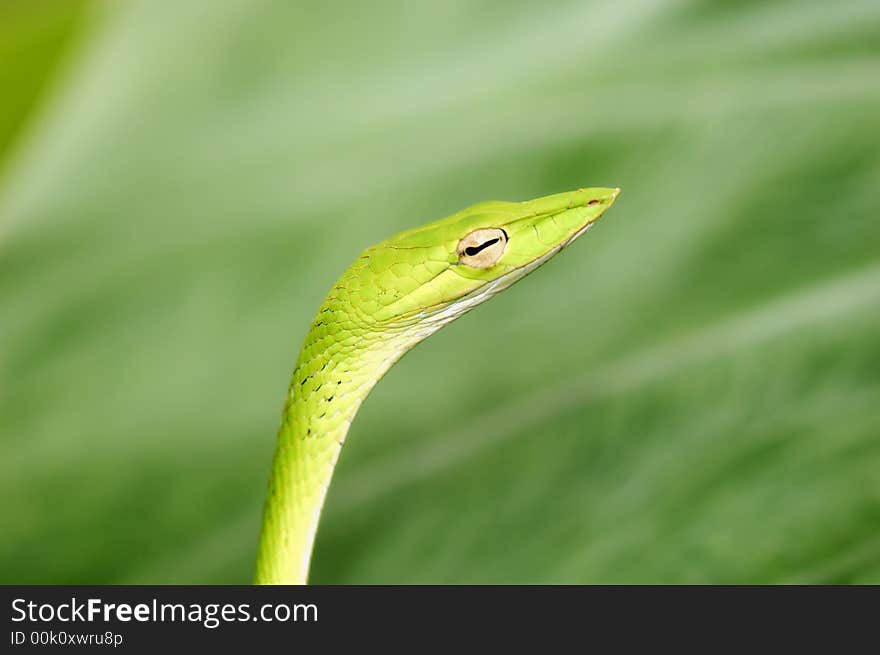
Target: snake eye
[[482, 248]]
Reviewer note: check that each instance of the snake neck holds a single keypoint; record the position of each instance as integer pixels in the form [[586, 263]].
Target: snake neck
[[336, 370]]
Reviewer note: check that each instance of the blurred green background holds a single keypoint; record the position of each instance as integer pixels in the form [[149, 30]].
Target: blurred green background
[[691, 394]]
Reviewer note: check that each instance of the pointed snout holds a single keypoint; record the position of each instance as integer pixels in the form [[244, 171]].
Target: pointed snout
[[599, 198], [587, 207], [545, 225], [595, 199]]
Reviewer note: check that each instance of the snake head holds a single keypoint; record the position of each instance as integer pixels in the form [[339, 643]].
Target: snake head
[[432, 274]]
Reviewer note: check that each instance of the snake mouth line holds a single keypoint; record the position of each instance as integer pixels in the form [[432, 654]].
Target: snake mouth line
[[577, 234], [439, 315]]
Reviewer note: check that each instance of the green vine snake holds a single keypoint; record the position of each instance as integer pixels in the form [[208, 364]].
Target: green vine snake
[[393, 296]]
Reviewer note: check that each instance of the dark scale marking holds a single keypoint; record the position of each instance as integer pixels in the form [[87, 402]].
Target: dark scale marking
[[594, 201], [331, 397]]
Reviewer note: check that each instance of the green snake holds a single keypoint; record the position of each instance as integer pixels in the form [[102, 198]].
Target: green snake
[[393, 296]]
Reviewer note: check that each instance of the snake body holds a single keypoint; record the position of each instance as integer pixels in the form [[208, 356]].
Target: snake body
[[393, 296]]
